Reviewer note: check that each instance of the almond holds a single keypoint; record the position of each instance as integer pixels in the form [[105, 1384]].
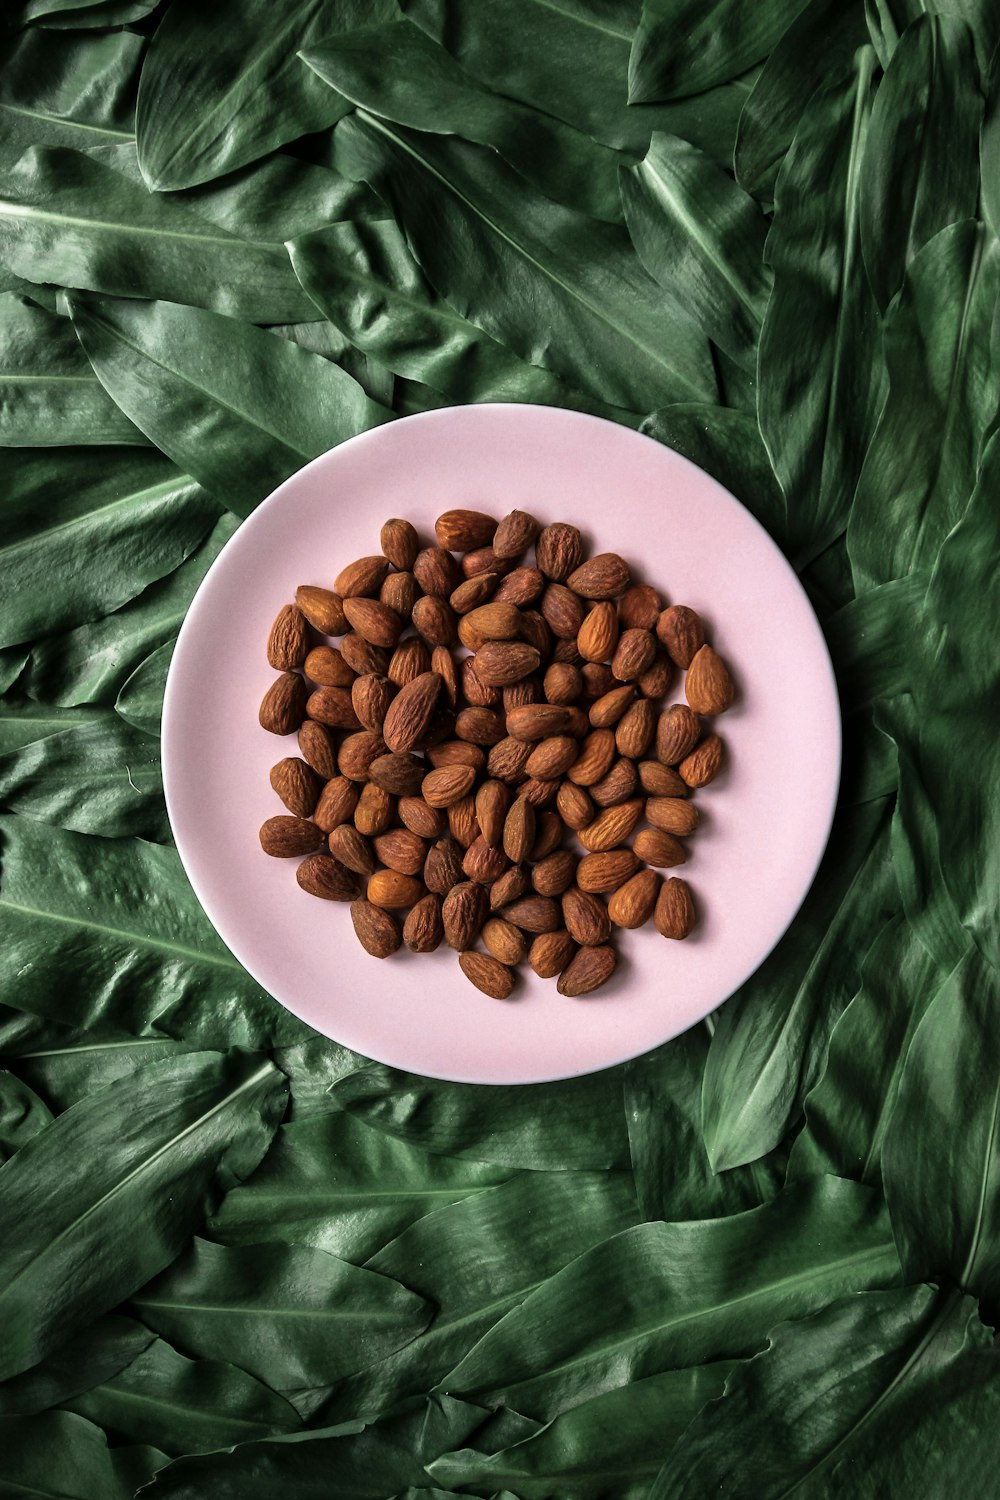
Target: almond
[[483, 862], [411, 659], [487, 974], [635, 653], [639, 608], [533, 914], [318, 748], [462, 821], [708, 686], [522, 586], [632, 903], [562, 611], [472, 592], [359, 752], [371, 697], [562, 683], [519, 831], [333, 706], [457, 753], [595, 758], [656, 847], [565, 651], [504, 941], [702, 765], [326, 667], [476, 692], [400, 592], [398, 773], [375, 810], [636, 729], [484, 560], [551, 758], [423, 928], [435, 620], [603, 577], [537, 792], [501, 662], [520, 694], [511, 886], [656, 681], [661, 781], [411, 711], [575, 807], [551, 952], [558, 550], [352, 849], [283, 706], [401, 850], [677, 732], [288, 642], [598, 679], [617, 786], [322, 876], [597, 874], [322, 608], [536, 632], [490, 622], [608, 709], [377, 931], [674, 916], [442, 787], [672, 815], [390, 889], [681, 633], [364, 577], [443, 663], [538, 721], [443, 866], [336, 804], [376, 623], [297, 784], [398, 540], [414, 814], [549, 831], [598, 634], [492, 802], [480, 726], [285, 836], [463, 912], [611, 827], [361, 656], [437, 572], [590, 968], [585, 917], [515, 534], [555, 873], [464, 530]]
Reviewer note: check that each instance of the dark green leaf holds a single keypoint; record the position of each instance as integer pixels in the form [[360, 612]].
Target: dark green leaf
[[73, 13], [702, 238], [312, 1067], [683, 47], [114, 924], [222, 85], [86, 530], [989, 152], [888, 20], [140, 701], [920, 170], [819, 373], [67, 90], [728, 445], [665, 1296], [875, 641], [65, 1065], [59, 1456], [110, 1192], [246, 409], [564, 292], [22, 1115], [90, 1357]]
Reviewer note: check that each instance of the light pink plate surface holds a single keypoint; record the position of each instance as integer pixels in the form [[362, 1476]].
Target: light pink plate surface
[[765, 821]]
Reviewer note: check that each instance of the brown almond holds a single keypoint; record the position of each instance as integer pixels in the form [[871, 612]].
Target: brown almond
[[371, 697], [639, 608], [483, 560], [632, 903], [443, 866], [390, 889], [399, 773], [504, 941], [492, 802], [672, 815], [702, 765], [636, 651], [483, 862], [475, 691], [519, 831], [377, 931], [585, 917], [508, 759], [487, 974], [674, 915], [333, 706], [437, 572], [423, 929], [565, 652], [563, 683], [598, 874], [398, 540], [435, 620], [326, 667], [595, 759], [534, 914], [462, 820], [659, 780], [655, 847], [414, 814], [708, 686], [361, 656], [447, 784], [588, 970], [538, 793], [359, 752], [411, 711], [351, 848], [602, 577], [515, 534], [618, 785], [551, 952], [598, 680], [400, 592], [374, 622], [677, 732], [549, 831], [320, 875], [410, 660], [490, 622], [297, 784], [501, 662], [480, 726], [401, 850], [537, 721], [443, 663], [463, 912], [319, 748], [457, 753], [322, 608], [609, 708], [472, 592], [562, 611], [553, 757], [288, 641], [681, 633], [520, 694], [575, 807], [464, 530], [376, 810], [536, 632], [283, 706], [361, 578], [657, 679], [285, 836], [636, 729], [598, 634], [558, 550], [555, 873], [611, 827], [511, 886], [521, 586], [336, 804]]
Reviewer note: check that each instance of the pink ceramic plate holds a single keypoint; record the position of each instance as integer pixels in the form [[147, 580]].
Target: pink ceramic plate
[[765, 821]]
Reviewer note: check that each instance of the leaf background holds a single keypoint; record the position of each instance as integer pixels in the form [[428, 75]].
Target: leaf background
[[238, 1259]]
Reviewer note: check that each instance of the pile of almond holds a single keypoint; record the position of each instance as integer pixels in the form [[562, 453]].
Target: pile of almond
[[476, 711]]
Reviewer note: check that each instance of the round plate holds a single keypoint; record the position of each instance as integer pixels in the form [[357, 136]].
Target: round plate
[[764, 821]]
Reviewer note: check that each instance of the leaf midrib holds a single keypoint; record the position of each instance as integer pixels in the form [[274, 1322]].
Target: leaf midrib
[[124, 502], [136, 940], [65, 120], [11, 209]]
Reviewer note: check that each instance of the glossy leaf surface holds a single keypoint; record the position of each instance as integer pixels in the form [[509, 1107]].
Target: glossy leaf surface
[[684, 47]]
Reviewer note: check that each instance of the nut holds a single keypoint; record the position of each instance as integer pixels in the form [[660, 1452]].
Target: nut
[[483, 862], [489, 622], [611, 827], [575, 807], [376, 929], [286, 836], [506, 942], [320, 875], [410, 713], [464, 530], [551, 952], [352, 849], [632, 903], [659, 848], [551, 758], [708, 686], [558, 550], [595, 758], [672, 815], [375, 810], [333, 706], [326, 667], [515, 534], [283, 706], [318, 749], [435, 620], [585, 917], [674, 916], [423, 928], [501, 662], [639, 608], [617, 786], [635, 654], [562, 611], [519, 831], [336, 804], [446, 785], [390, 889], [522, 586], [370, 698], [681, 633], [414, 814], [487, 974], [702, 765], [288, 642], [597, 874], [297, 784], [636, 729], [443, 866], [463, 912], [661, 781], [322, 608], [598, 634], [361, 578], [400, 591], [472, 592], [437, 572], [555, 873], [591, 968], [398, 540], [401, 850], [533, 914], [411, 659], [374, 622], [603, 577]]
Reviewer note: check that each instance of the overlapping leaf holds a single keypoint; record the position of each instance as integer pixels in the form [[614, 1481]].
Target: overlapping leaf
[[59, 1455], [684, 46]]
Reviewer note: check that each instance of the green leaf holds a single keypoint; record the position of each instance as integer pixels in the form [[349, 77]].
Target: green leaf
[[73, 13], [59, 1456], [771, 1037], [92, 663], [819, 44], [883, 1393], [222, 86], [614, 1444], [85, 530], [728, 445], [67, 218], [245, 409], [888, 20], [572, 1125], [140, 701], [565, 292], [67, 90], [184, 1406], [920, 170], [702, 238], [113, 928], [65, 1064], [398, 73], [876, 641], [111, 1191], [90, 1357], [819, 371], [989, 152], [664, 1296], [683, 47], [341, 1186], [943, 380], [22, 1115]]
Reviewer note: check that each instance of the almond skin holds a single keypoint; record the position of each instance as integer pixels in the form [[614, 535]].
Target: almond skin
[[515, 534], [588, 970], [376, 623], [437, 572], [536, 632], [598, 679], [501, 662], [333, 706], [595, 758], [443, 866], [483, 862], [318, 748], [708, 686], [681, 633], [520, 694], [358, 753], [534, 914], [677, 731], [446, 785], [492, 802], [672, 815], [464, 530], [511, 886], [480, 726], [603, 577], [337, 802], [563, 683], [558, 550], [635, 653], [398, 540], [414, 814], [575, 807], [297, 784], [401, 850], [463, 912], [585, 917], [411, 711], [551, 952], [400, 591], [483, 560], [326, 667], [377, 931], [522, 586], [636, 729], [656, 681], [598, 874], [322, 876], [322, 608], [435, 620], [661, 781], [562, 611], [490, 622], [411, 659], [658, 848], [475, 691], [702, 765], [457, 753], [361, 578], [423, 929], [352, 849], [611, 827], [639, 608], [487, 974], [617, 786], [390, 889], [370, 698], [555, 873], [375, 810], [398, 773], [505, 942], [288, 641], [443, 663], [553, 757], [519, 831], [674, 916], [472, 592], [462, 821], [283, 706], [608, 709], [361, 656], [598, 634], [538, 721], [285, 836], [632, 904]]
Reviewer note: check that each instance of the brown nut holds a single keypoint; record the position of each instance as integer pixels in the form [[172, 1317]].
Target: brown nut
[[672, 815], [598, 874], [708, 686], [487, 974], [463, 912], [414, 814], [286, 836], [361, 579], [423, 929], [702, 765], [283, 706], [588, 970], [464, 530], [288, 641], [326, 667], [602, 577], [558, 550], [674, 915], [639, 608], [325, 877], [585, 917], [297, 784], [322, 608], [656, 847], [377, 931], [504, 941], [398, 540], [598, 634], [681, 633], [632, 904], [551, 952]]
